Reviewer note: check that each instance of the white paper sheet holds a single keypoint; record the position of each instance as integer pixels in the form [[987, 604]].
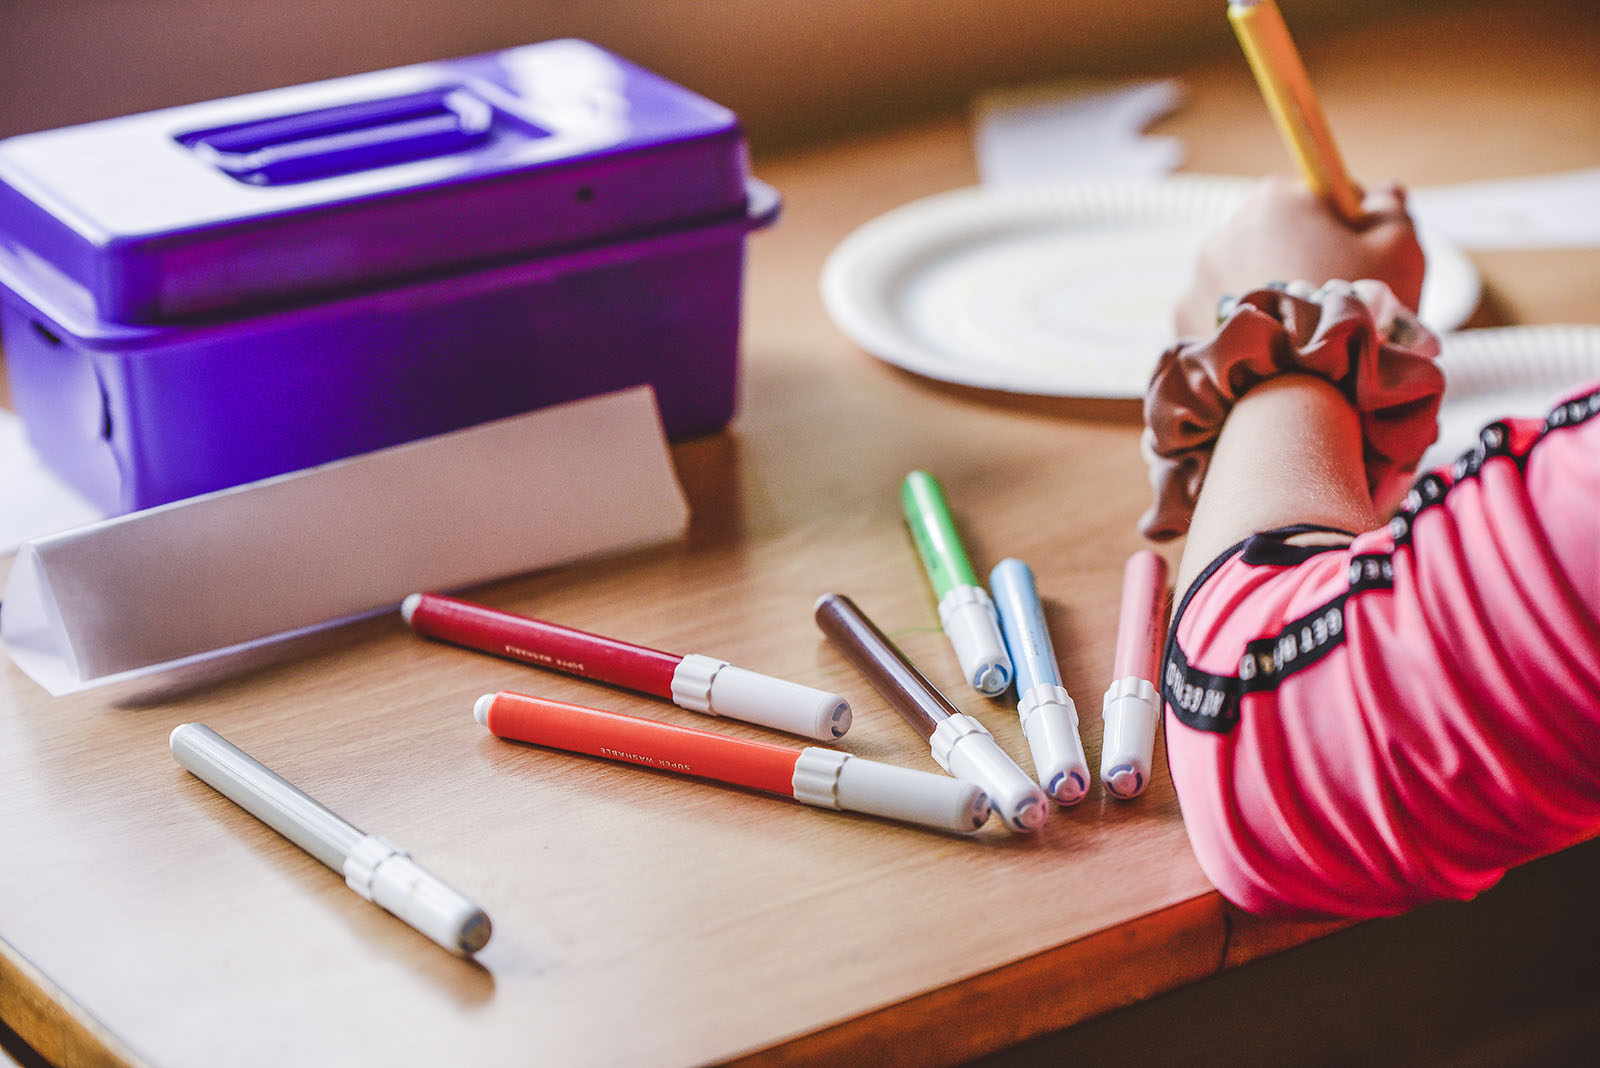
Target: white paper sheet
[[33, 501], [1070, 130], [1545, 211], [230, 569]]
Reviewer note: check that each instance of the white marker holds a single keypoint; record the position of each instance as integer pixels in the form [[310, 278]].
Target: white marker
[[1049, 718], [373, 867]]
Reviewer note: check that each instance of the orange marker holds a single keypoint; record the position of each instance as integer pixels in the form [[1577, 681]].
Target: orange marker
[[1132, 706], [826, 778]]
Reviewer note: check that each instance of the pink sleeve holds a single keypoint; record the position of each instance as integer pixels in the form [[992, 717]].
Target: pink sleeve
[[1355, 730]]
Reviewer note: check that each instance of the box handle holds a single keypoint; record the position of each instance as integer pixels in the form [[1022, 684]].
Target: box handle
[[347, 139], [762, 203]]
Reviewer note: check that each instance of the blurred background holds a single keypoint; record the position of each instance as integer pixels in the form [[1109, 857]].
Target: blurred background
[[792, 71]]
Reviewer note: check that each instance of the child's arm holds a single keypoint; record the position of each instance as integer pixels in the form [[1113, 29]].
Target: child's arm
[[1289, 453], [1354, 729], [1358, 729], [1294, 424]]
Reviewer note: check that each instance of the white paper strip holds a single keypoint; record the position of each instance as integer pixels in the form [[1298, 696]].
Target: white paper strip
[[1543, 211], [261, 561], [1075, 130], [33, 499]]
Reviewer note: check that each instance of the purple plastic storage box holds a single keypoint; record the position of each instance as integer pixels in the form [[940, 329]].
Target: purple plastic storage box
[[211, 294]]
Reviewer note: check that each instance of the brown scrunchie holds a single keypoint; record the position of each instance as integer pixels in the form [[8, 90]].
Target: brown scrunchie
[[1387, 372]]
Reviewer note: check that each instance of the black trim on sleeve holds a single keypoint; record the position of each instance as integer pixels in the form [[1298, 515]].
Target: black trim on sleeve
[[1176, 673], [1267, 661], [1199, 699], [1272, 549], [1279, 534], [1371, 571], [1208, 702], [1211, 702], [1493, 440], [1575, 411]]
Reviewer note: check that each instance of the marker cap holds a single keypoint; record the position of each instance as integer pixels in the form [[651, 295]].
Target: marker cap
[[1050, 723], [828, 778], [385, 875], [717, 688], [970, 622], [1130, 711], [408, 607], [966, 749]]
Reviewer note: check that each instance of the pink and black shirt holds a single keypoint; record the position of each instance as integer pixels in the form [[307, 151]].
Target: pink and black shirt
[[1355, 729]]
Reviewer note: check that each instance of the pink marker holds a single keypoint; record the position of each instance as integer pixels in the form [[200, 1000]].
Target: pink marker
[[1131, 709]]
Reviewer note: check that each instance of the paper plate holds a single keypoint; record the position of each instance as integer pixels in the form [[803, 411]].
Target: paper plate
[[1062, 290], [1507, 371]]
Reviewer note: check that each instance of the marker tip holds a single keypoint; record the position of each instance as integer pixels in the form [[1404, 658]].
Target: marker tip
[[408, 607]]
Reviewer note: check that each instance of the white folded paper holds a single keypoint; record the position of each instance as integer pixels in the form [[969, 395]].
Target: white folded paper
[[1540, 211], [36, 501], [261, 561], [1066, 131]]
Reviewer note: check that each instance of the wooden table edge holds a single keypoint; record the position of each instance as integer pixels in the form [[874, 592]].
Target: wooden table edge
[[1112, 969], [1104, 971], [53, 1025]]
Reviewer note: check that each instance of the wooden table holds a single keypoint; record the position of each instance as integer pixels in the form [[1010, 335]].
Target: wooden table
[[646, 919]]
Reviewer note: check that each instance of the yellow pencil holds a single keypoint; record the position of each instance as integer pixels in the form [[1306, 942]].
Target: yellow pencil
[[1287, 89]]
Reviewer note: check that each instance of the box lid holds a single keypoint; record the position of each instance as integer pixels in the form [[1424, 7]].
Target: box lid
[[351, 183]]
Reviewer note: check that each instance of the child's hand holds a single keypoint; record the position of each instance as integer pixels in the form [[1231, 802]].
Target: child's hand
[[1284, 234]]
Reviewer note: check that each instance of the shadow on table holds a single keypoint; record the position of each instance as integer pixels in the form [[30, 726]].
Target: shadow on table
[[1511, 978]]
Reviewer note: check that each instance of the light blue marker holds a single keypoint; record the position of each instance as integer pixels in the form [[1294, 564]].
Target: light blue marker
[[1049, 718]]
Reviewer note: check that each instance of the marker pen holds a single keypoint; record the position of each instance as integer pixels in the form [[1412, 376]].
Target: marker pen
[[1049, 718], [960, 744], [699, 683], [965, 611], [1132, 705], [373, 867], [826, 778], [1286, 87]]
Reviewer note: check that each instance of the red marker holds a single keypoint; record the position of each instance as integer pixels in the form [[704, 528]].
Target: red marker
[[698, 683], [1132, 705], [826, 778]]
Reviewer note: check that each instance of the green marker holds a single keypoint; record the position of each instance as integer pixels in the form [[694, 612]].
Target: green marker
[[965, 609]]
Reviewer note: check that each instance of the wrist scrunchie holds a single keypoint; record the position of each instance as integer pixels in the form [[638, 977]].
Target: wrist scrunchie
[[1358, 336]]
